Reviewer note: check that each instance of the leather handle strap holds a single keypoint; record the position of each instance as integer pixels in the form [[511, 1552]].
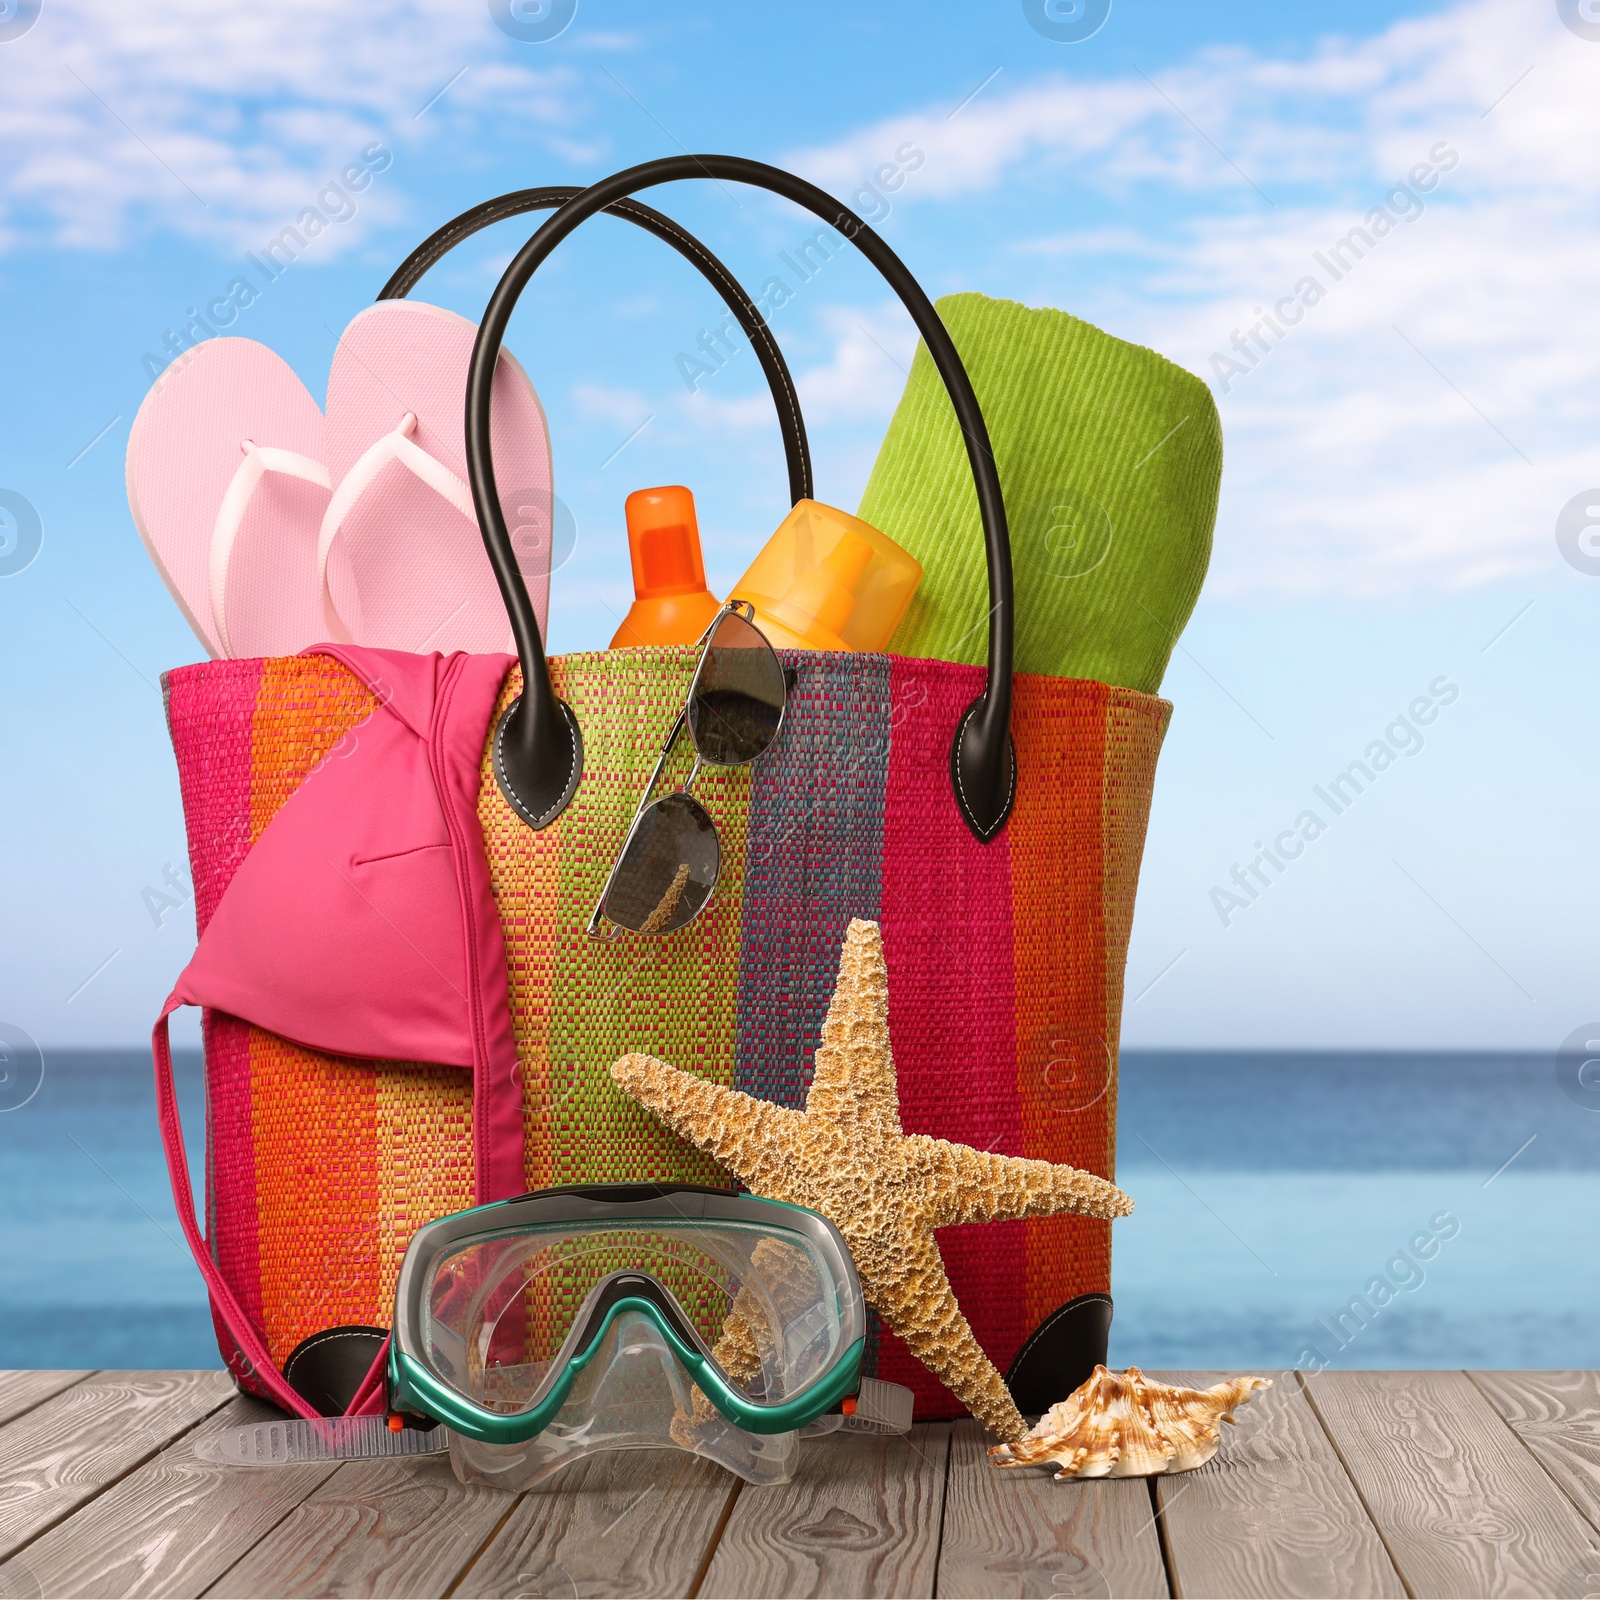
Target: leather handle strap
[[538, 745], [797, 451]]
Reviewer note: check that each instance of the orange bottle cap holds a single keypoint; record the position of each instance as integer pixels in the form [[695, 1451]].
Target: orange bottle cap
[[664, 542]]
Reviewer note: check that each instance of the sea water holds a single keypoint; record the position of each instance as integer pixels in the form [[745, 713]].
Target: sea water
[[1294, 1209], [1328, 1210]]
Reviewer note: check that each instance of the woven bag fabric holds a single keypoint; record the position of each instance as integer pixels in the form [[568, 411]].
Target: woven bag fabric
[[319, 1168], [1005, 961]]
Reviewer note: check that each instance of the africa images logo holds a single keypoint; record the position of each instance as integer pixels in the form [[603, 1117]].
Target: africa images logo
[[17, 17], [21, 533], [1578, 533], [1578, 1066], [1582, 17], [533, 21], [1066, 21]]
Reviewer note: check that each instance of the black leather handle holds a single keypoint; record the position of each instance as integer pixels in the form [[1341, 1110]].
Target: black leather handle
[[538, 747], [779, 380]]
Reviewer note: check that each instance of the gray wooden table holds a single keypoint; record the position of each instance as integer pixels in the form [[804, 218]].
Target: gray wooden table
[[1360, 1483]]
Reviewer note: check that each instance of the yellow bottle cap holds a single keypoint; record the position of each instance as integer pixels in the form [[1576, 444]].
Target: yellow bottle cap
[[829, 581]]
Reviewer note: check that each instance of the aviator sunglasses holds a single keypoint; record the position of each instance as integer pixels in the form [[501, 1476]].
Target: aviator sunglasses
[[668, 865]]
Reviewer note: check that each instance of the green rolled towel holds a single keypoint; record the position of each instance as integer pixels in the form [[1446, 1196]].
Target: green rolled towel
[[1110, 459]]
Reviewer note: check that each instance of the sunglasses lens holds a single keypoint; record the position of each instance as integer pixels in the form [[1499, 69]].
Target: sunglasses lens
[[668, 869], [737, 699]]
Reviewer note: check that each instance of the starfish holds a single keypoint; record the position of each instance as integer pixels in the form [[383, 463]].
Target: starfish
[[847, 1156]]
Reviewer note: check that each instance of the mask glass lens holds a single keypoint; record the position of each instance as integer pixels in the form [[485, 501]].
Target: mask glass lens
[[506, 1313]]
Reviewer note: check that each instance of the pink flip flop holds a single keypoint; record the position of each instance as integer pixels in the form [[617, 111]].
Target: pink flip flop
[[227, 485], [400, 560]]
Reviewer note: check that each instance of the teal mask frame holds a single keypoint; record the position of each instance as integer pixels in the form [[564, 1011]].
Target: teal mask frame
[[414, 1387]]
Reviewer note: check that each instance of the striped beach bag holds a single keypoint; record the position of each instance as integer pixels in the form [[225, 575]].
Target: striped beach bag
[[991, 822]]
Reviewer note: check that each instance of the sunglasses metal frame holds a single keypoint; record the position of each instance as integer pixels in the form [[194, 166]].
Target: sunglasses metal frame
[[415, 1387], [746, 614]]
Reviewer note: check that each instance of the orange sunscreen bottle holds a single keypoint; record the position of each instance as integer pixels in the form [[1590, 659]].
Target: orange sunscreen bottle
[[671, 602]]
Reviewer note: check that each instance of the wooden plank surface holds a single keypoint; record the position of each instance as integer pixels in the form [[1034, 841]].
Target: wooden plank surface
[[1018, 1532], [171, 1527], [404, 1527], [1273, 1512], [1478, 1485], [22, 1391], [1557, 1415], [61, 1454], [1462, 1506], [633, 1522], [860, 1518]]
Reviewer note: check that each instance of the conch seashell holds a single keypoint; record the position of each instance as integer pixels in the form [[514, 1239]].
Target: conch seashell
[[1122, 1425]]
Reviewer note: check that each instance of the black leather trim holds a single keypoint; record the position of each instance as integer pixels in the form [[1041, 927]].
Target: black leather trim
[[746, 312], [983, 762], [538, 747], [976, 773], [538, 769], [625, 1194], [326, 1368], [1060, 1353]]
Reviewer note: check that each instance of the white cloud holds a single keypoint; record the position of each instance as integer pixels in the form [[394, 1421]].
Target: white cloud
[[864, 375], [1355, 464], [1350, 109], [223, 120], [859, 380], [1420, 428]]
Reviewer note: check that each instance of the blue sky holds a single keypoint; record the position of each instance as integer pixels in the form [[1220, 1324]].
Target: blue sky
[[1396, 463]]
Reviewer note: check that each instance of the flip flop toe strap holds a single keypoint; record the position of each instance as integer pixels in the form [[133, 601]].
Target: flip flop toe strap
[[397, 445], [258, 461]]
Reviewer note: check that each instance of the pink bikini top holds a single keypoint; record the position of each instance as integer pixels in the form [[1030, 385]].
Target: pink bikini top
[[362, 923]]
